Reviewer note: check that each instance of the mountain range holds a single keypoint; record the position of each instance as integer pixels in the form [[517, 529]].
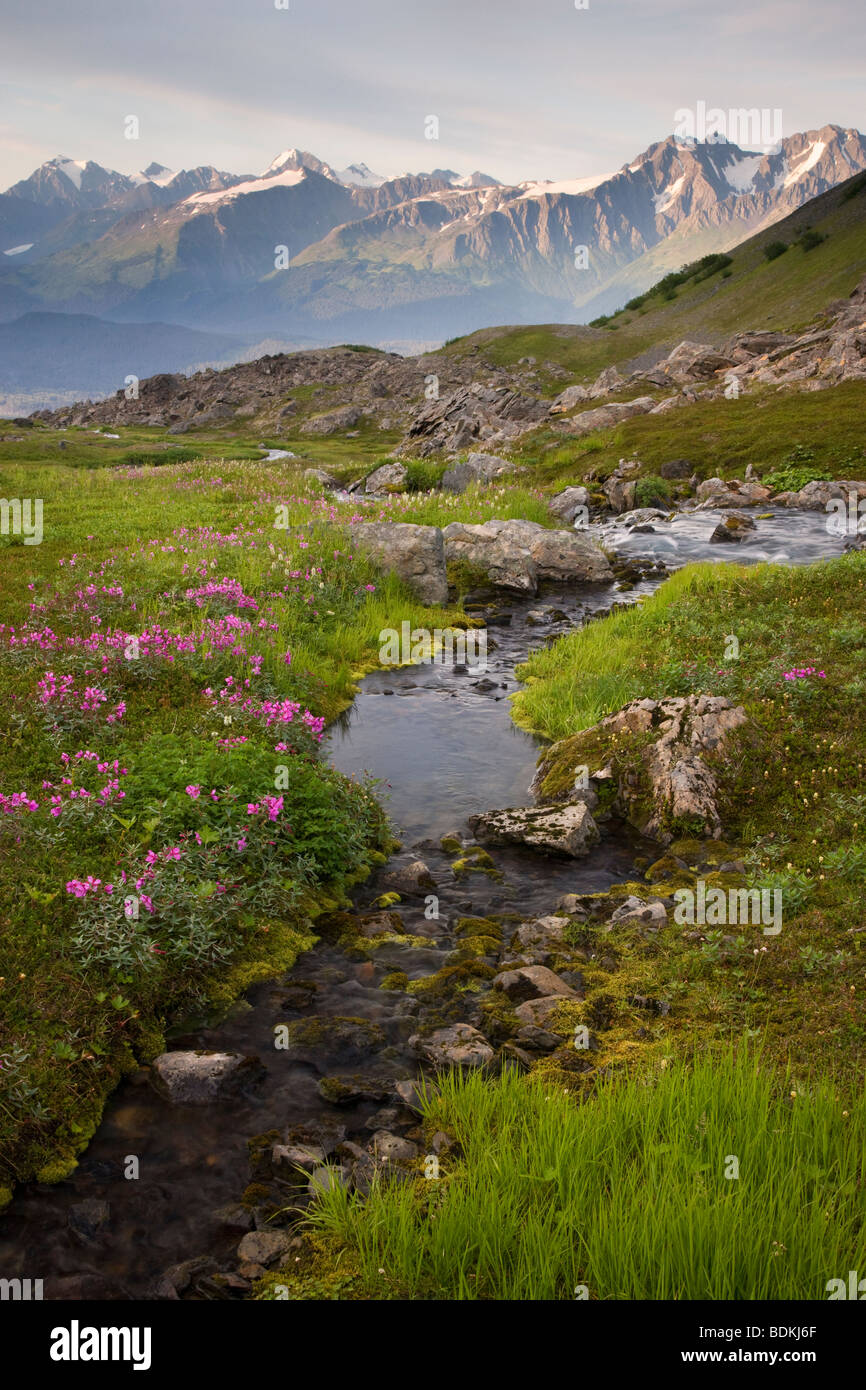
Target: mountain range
[[307, 255]]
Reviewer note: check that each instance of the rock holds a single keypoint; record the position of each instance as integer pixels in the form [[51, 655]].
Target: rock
[[536, 1012], [350, 1089], [619, 488], [460, 1045], [545, 933], [733, 528], [641, 516], [414, 878], [602, 417], [315, 1039], [536, 1039], [177, 1278], [328, 1178], [319, 477], [264, 1247], [517, 554], [607, 382], [568, 503], [416, 554], [411, 1093], [200, 1078], [391, 477], [286, 1159], [568, 829], [381, 924], [87, 1218], [569, 398], [531, 982], [235, 1217], [471, 413], [333, 421], [715, 493], [652, 912], [570, 903], [478, 468], [391, 1148]]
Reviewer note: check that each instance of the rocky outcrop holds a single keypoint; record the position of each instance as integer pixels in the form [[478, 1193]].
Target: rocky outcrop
[[716, 493], [333, 422], [568, 830], [602, 417], [518, 554], [477, 468], [416, 554], [669, 787], [619, 488], [493, 414]]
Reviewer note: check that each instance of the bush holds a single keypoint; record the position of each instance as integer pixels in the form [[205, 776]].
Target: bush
[[810, 239], [775, 249], [422, 476], [653, 492]]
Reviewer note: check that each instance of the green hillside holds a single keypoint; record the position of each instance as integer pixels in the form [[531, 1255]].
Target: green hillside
[[750, 292]]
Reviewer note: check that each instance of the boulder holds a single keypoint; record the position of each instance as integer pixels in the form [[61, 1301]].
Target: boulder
[[416, 554], [319, 478], [391, 477], [200, 1078], [568, 829], [733, 528], [568, 503], [264, 1247], [461, 1045], [569, 398], [477, 468], [716, 493], [413, 879], [653, 912], [517, 554], [531, 982], [345, 418], [602, 417]]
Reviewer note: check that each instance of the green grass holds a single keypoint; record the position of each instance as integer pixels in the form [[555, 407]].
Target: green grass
[[624, 1194]]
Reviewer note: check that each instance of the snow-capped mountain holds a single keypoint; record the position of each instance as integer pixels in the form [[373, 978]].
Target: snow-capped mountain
[[371, 257]]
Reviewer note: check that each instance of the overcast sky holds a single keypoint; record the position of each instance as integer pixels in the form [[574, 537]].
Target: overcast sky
[[521, 88]]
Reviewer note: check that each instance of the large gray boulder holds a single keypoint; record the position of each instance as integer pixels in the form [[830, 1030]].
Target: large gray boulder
[[200, 1078], [391, 477], [416, 554], [461, 1045], [568, 829], [603, 416], [477, 468], [517, 554], [566, 504]]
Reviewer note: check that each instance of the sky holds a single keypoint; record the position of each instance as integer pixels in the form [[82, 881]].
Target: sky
[[521, 89]]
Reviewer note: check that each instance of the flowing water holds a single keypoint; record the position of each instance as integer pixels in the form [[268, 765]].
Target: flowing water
[[442, 742]]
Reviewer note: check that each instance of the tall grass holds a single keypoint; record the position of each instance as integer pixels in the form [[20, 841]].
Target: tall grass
[[574, 683], [625, 1193]]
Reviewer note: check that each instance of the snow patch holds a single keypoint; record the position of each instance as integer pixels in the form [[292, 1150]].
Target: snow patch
[[360, 176], [666, 199], [570, 186], [741, 173], [805, 162], [16, 250], [288, 179]]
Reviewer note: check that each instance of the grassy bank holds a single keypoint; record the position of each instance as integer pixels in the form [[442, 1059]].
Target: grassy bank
[[169, 655], [711, 1180]]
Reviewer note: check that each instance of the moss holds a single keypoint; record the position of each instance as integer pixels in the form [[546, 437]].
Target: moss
[[453, 979], [322, 1268], [63, 1166], [388, 900], [255, 1195], [398, 979], [449, 844], [479, 926], [475, 860]]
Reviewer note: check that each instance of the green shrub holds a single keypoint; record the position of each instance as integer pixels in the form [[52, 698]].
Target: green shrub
[[423, 476], [653, 491], [810, 239], [774, 249]]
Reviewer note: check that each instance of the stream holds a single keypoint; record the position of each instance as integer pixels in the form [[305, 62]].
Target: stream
[[441, 741]]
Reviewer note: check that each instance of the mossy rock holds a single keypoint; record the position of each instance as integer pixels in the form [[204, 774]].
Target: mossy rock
[[336, 1033], [453, 979], [475, 946], [703, 853], [255, 1195], [449, 844], [479, 926], [388, 900], [398, 979], [475, 860]]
